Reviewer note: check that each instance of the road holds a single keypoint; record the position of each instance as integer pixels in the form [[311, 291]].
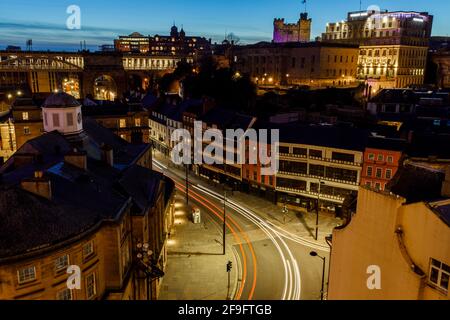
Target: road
[[273, 263]]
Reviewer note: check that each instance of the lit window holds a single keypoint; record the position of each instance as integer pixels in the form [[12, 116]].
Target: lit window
[[88, 249], [390, 159], [123, 123], [65, 295], [369, 171], [371, 157], [26, 131], [26, 275], [91, 288], [439, 274], [380, 158], [25, 116], [61, 263], [137, 122]]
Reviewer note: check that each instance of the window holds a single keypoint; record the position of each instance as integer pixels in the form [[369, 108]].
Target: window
[[61, 263], [344, 157], [369, 184], [388, 174], [91, 287], [369, 171], [88, 249], [371, 157], [122, 123], [69, 119], [55, 118], [26, 131], [25, 116], [137, 122], [439, 274], [26, 275], [65, 295], [378, 186], [390, 159], [315, 154], [380, 158], [379, 173]]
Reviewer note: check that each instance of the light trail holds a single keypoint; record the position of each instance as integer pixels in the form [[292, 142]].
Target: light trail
[[292, 283]]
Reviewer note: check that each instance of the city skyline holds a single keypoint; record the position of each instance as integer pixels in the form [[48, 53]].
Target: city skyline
[[45, 23]]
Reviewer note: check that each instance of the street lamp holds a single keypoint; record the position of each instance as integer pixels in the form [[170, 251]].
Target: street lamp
[[324, 259], [146, 263]]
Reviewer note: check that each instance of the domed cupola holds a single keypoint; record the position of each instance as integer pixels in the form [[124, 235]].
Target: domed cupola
[[62, 112]]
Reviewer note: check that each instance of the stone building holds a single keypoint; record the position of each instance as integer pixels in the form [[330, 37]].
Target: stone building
[[394, 45], [292, 32], [80, 196], [313, 64], [397, 246]]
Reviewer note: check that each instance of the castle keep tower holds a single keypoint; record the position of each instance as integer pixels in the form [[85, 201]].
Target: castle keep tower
[[292, 32]]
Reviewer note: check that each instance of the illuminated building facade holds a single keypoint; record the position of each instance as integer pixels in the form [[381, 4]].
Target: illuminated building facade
[[177, 43], [393, 45], [292, 32], [314, 64]]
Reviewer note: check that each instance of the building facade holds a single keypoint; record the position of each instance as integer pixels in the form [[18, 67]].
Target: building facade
[[394, 45], [312, 64], [177, 43], [395, 247], [292, 32], [78, 206], [382, 159]]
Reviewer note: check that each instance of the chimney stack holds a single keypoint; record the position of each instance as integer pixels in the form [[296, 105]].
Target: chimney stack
[[446, 184], [108, 155], [39, 185], [77, 159]]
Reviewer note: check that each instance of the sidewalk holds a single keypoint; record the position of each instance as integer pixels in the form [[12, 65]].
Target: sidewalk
[[196, 268], [300, 223]]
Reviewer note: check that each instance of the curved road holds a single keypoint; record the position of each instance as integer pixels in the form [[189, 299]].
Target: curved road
[[274, 264]]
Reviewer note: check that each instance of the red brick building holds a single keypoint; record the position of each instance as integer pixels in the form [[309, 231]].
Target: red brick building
[[382, 159]]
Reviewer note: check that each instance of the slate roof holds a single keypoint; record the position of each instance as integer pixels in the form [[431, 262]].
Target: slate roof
[[339, 137], [81, 200], [386, 144], [417, 183], [227, 119], [59, 100]]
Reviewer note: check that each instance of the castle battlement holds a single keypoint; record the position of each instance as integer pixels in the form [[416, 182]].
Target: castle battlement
[[292, 32]]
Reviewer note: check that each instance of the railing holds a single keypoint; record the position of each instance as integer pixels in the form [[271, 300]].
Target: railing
[[318, 177], [286, 155]]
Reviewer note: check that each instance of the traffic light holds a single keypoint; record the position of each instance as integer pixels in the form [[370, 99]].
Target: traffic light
[[229, 266]]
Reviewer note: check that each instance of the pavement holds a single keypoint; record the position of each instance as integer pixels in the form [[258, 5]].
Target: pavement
[[196, 268]]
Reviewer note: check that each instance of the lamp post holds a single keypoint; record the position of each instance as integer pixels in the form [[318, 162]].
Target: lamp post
[[224, 221], [315, 254], [146, 263]]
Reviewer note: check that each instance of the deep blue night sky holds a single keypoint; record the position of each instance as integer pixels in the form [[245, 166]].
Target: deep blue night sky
[[44, 21]]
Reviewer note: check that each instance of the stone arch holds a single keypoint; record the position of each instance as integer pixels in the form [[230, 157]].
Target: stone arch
[[105, 88]]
